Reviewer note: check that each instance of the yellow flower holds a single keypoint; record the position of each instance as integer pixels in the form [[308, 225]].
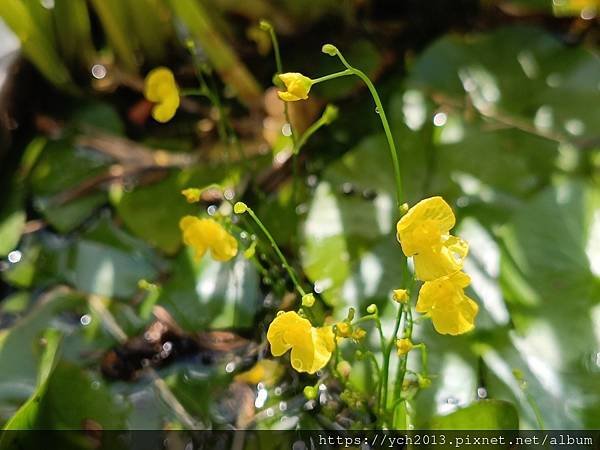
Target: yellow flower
[[404, 346], [192, 195], [444, 300], [206, 234], [311, 347], [424, 234], [297, 86], [160, 88], [264, 371], [400, 295]]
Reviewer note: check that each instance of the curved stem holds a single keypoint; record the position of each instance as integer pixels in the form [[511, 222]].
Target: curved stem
[[384, 121], [283, 259]]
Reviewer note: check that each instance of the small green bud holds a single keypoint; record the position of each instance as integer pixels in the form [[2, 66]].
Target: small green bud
[[310, 392], [424, 382], [265, 25], [350, 316], [330, 114], [308, 300], [240, 208], [329, 49], [372, 308], [404, 208], [344, 368]]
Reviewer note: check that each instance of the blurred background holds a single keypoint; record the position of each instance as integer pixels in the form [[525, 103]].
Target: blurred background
[[494, 104]]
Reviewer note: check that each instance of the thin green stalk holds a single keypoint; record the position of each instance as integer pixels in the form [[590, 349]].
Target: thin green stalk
[[332, 76], [282, 258], [380, 110], [387, 354]]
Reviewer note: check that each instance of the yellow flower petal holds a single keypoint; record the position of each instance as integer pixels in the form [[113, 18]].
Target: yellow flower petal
[[444, 300], [311, 347], [314, 353], [164, 111], [204, 234], [403, 346], [192, 195], [442, 260], [265, 371], [297, 86], [424, 224], [160, 88], [288, 322]]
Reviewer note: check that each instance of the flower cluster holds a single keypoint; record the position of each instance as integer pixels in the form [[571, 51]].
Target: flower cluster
[[424, 234]]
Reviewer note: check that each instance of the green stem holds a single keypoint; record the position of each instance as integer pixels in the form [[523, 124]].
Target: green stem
[[332, 76], [384, 121], [284, 261], [387, 354]]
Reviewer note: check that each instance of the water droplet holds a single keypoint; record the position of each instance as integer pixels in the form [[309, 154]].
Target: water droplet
[[270, 412], [230, 367], [48, 4], [15, 256], [167, 347], [482, 392], [211, 210], [99, 71], [286, 129], [85, 320], [377, 110], [322, 387], [311, 180], [282, 406], [228, 194], [440, 119], [299, 445], [95, 385], [261, 398], [277, 390]]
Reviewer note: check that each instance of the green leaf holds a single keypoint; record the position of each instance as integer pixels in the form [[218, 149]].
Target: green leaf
[[26, 417], [524, 76], [61, 168], [19, 346], [211, 294], [481, 415], [12, 221], [551, 282]]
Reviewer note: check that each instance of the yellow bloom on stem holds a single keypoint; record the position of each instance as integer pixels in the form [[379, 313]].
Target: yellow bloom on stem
[[161, 89], [297, 86], [192, 195], [311, 347], [444, 300], [265, 371], [400, 295], [404, 346], [424, 234], [206, 234]]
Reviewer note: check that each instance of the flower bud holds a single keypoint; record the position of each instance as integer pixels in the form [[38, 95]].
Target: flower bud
[[265, 25], [404, 346], [343, 329], [358, 334], [344, 368], [372, 308], [400, 295], [310, 392], [329, 49], [308, 300], [240, 208], [192, 195], [330, 114]]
